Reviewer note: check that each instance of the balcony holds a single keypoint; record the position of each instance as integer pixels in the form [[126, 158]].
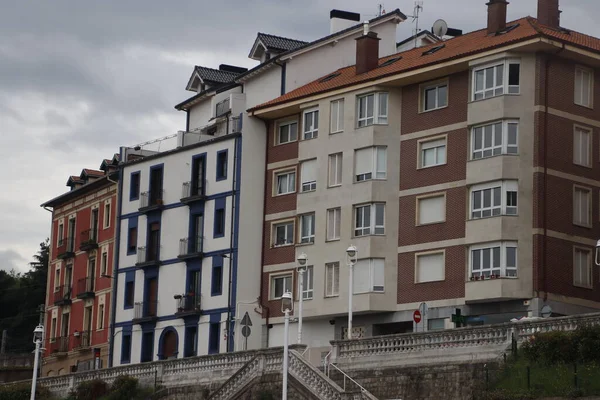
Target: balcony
[[66, 248], [190, 248], [222, 108], [82, 340], [85, 288], [152, 200], [89, 240], [235, 124], [193, 191], [59, 346], [147, 257], [62, 295], [145, 311], [188, 304]]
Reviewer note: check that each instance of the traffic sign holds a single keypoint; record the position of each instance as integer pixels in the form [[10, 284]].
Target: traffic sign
[[417, 316], [246, 321], [246, 331], [546, 311]]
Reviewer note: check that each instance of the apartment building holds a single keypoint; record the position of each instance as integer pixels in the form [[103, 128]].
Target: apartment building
[[79, 275], [465, 172]]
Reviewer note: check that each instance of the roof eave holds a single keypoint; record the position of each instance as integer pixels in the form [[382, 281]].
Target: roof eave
[[63, 198]]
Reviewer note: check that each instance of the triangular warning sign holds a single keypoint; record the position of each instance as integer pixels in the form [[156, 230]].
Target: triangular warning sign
[[246, 320]]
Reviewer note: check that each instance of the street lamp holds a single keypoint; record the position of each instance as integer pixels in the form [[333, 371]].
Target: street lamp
[[287, 305], [597, 258], [302, 259], [352, 254], [38, 336]]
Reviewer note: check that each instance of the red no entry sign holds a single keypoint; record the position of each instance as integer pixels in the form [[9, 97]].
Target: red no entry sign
[[417, 316]]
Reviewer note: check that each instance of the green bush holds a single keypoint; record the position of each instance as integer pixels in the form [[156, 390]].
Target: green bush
[[22, 391], [559, 347], [90, 390], [127, 388]]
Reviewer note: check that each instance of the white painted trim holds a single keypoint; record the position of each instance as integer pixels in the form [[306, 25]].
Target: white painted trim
[[433, 188], [431, 246]]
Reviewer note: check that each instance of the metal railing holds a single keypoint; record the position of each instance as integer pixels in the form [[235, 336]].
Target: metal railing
[[89, 237], [59, 344], [85, 285], [63, 293], [190, 302], [193, 189], [188, 246], [346, 378], [146, 254], [222, 107], [151, 198], [83, 340], [65, 245], [145, 309]]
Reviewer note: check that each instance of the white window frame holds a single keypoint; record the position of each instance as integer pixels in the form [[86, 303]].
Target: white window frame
[[581, 101], [308, 186], [503, 208], [337, 124], [61, 233], [434, 86], [284, 276], [380, 114], [286, 224], [308, 284], [499, 89], [100, 321], [578, 212], [504, 148], [57, 278], [310, 238], [373, 288], [332, 284], [374, 174], [590, 274], [334, 232], [426, 197], [335, 170], [580, 153], [53, 324], [107, 214], [372, 228], [104, 263], [310, 131], [278, 132], [435, 143], [430, 253], [288, 173], [503, 269]]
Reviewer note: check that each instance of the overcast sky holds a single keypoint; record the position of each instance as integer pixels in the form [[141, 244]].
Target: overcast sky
[[80, 78]]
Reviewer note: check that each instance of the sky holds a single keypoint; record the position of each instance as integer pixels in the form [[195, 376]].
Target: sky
[[79, 78]]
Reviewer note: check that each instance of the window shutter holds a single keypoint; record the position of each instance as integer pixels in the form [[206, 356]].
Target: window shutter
[[432, 209], [378, 275], [309, 171], [430, 267], [364, 161], [362, 276]]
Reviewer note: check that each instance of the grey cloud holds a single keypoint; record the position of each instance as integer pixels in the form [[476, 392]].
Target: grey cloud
[[10, 259]]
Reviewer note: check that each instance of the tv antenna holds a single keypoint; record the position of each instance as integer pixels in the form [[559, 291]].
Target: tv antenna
[[418, 8], [440, 28], [381, 10]]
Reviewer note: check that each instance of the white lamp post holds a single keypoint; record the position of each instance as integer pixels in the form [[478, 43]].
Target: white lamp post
[[287, 305], [302, 259], [352, 254], [38, 335], [597, 258]]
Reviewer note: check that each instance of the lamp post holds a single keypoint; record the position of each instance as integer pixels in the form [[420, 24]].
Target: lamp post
[[38, 335], [352, 254], [287, 305], [302, 259]]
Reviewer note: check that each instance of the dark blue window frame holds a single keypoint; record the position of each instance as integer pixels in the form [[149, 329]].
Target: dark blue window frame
[[126, 345], [216, 281], [198, 158], [214, 333], [190, 344], [219, 219], [147, 348], [129, 290], [161, 352], [134, 189], [222, 165], [132, 223]]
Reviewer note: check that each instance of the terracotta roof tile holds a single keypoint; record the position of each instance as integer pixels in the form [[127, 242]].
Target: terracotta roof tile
[[92, 172]]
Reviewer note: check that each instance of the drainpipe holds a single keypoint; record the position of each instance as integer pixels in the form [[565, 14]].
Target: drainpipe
[[231, 235], [283, 76]]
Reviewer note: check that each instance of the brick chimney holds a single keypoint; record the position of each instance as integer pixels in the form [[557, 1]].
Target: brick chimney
[[548, 13], [367, 51], [496, 15]]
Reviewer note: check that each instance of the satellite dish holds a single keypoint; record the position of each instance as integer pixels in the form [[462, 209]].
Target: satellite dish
[[440, 28]]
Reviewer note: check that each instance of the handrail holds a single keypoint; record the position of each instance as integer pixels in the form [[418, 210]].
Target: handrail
[[362, 389]]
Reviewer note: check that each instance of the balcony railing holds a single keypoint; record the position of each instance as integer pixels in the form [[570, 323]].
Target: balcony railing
[[188, 303], [59, 345], [222, 108], [151, 200], [85, 288], [82, 340], [193, 191], [66, 248], [145, 311], [62, 296], [147, 256], [190, 247], [89, 240]]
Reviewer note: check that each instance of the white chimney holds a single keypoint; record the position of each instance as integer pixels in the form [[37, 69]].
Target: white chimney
[[340, 20]]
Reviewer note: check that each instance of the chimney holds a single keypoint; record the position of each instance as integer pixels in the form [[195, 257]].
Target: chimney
[[367, 51], [340, 20], [496, 15], [548, 13]]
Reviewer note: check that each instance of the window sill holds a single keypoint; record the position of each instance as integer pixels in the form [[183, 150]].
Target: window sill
[[493, 279], [374, 124], [305, 244], [433, 109], [278, 246], [431, 223], [370, 292], [332, 296], [334, 186], [283, 144], [494, 156], [283, 194], [582, 226], [308, 191], [493, 97], [370, 234], [493, 216], [224, 178], [332, 240], [310, 138], [335, 133], [591, 287], [431, 166], [590, 107], [583, 166], [436, 281], [371, 180]]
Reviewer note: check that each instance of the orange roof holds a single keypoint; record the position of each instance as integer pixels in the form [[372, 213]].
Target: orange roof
[[461, 46], [93, 172]]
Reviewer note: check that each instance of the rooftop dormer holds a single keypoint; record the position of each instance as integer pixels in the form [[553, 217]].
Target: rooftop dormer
[[267, 46], [204, 78]]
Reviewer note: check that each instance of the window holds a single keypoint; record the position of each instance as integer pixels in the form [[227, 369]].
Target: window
[[493, 199], [582, 146], [584, 86], [283, 234], [107, 215], [214, 332], [61, 234], [104, 264], [219, 222], [335, 169], [134, 186], [129, 289], [100, 323], [494, 139], [434, 96], [286, 182], [132, 240], [222, 165], [57, 279], [496, 80], [498, 259], [279, 285], [308, 175], [430, 267], [369, 275], [370, 162], [334, 216], [431, 209], [332, 279], [287, 132], [216, 283], [372, 109], [307, 283], [198, 186], [437, 324], [369, 219], [582, 206], [337, 116], [307, 228], [311, 124], [126, 348], [582, 267], [53, 330], [432, 152]]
